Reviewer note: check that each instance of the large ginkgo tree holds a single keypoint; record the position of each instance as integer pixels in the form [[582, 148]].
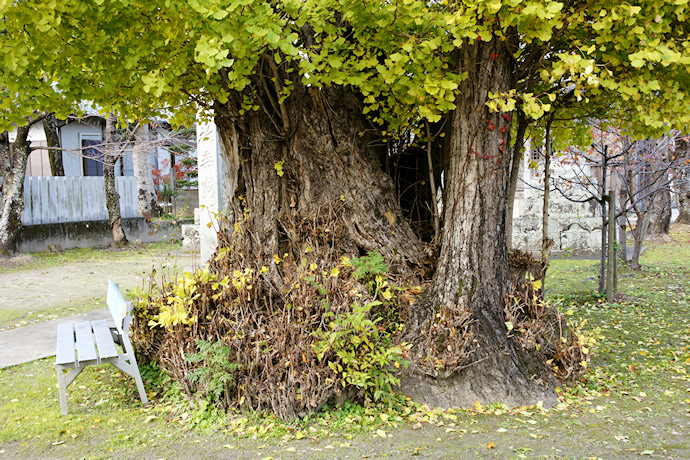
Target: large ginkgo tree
[[305, 94]]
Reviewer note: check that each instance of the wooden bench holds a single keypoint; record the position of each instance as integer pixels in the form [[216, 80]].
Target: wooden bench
[[94, 342]]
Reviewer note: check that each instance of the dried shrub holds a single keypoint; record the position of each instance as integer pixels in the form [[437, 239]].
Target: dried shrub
[[282, 329], [540, 327]]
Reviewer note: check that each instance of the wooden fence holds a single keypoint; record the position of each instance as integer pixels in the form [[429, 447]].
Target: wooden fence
[[49, 200]]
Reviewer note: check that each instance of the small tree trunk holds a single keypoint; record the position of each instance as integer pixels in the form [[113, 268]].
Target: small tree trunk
[[610, 275], [53, 142], [683, 181], [660, 220], [432, 185], [684, 205], [546, 242], [461, 348], [622, 223], [518, 150], [639, 235], [13, 169], [112, 198], [604, 218], [146, 192]]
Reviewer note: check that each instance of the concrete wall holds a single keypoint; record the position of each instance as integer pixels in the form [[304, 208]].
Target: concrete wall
[[36, 238], [188, 198]]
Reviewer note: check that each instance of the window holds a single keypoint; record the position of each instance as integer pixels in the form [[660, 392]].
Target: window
[[92, 157], [535, 154]]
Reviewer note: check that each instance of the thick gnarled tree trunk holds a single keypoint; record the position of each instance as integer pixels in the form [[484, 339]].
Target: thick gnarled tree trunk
[[308, 188], [13, 170], [471, 282], [314, 157]]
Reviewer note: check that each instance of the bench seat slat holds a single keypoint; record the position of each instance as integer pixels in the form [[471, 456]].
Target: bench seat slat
[[65, 344], [86, 350], [104, 340], [95, 344]]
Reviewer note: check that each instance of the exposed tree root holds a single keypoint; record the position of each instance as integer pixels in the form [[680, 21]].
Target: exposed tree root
[[538, 326]]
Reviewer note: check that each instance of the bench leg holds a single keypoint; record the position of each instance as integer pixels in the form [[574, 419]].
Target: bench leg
[[64, 380], [131, 369], [140, 386]]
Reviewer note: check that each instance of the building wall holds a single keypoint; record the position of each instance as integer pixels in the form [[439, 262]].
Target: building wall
[[575, 228], [71, 136]]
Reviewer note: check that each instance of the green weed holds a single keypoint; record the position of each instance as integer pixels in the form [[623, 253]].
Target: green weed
[[364, 354]]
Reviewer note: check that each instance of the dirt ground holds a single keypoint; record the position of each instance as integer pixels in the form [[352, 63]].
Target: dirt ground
[[62, 287]]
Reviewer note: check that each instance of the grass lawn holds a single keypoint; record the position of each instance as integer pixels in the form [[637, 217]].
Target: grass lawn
[[634, 402]]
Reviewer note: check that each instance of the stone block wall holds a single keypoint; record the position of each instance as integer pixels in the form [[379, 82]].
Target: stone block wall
[[575, 228]]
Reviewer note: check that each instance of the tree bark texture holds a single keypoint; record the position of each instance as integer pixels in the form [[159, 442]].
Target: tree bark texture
[[471, 282], [639, 234], [13, 169], [683, 181], [546, 242], [53, 141], [314, 158], [660, 220], [146, 193], [518, 152], [112, 198]]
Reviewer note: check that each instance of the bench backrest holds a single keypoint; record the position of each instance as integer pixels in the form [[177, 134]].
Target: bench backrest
[[119, 308]]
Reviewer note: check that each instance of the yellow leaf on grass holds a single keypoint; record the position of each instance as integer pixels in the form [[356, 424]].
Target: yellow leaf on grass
[[490, 445], [478, 407]]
